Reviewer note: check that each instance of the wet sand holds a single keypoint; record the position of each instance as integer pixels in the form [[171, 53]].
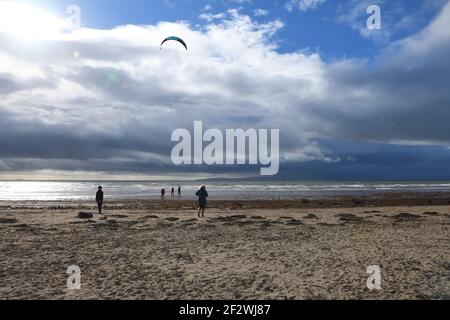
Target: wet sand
[[298, 249]]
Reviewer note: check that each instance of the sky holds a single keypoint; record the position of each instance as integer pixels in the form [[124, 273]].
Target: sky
[[100, 101]]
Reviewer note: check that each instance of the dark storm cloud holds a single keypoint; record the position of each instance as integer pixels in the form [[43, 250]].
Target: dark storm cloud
[[10, 84], [22, 139]]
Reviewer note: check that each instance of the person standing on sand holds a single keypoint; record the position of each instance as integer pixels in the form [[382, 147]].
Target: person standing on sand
[[163, 193], [99, 199], [202, 195], [179, 192], [172, 193]]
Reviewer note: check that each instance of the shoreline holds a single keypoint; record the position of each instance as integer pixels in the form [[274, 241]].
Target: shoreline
[[380, 200]]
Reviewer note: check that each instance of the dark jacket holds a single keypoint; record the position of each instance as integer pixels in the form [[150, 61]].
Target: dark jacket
[[99, 196], [202, 195]]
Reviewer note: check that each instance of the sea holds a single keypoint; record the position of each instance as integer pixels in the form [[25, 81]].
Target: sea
[[223, 190]]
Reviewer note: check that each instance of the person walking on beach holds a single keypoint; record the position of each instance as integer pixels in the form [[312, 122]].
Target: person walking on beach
[[202, 195], [163, 193], [172, 193], [179, 192], [99, 199]]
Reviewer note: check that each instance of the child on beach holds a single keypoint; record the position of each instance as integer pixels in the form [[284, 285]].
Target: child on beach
[[202, 195]]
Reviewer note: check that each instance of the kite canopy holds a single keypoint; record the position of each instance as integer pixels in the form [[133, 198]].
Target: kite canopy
[[175, 39]]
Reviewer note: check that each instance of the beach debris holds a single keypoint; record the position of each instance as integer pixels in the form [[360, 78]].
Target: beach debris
[[85, 215], [311, 216], [172, 219], [8, 220]]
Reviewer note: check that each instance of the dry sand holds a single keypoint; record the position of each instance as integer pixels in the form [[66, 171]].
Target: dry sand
[[241, 250]]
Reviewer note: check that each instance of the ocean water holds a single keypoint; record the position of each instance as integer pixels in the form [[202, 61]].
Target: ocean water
[[241, 190]]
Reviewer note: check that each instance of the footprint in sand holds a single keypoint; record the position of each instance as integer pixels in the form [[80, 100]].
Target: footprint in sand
[[350, 218], [151, 217], [294, 222], [236, 217], [229, 218], [431, 214], [164, 225], [119, 216], [24, 227], [242, 223], [83, 222], [405, 217], [172, 219], [8, 221]]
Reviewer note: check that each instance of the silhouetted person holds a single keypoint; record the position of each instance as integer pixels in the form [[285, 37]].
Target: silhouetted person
[[179, 192], [163, 193], [172, 194], [202, 195], [99, 199]]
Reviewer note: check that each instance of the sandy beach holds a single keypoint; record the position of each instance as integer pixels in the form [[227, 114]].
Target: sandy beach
[[298, 249]]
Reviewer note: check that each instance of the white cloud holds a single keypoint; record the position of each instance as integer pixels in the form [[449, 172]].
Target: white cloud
[[241, 1], [261, 12], [210, 17], [303, 5]]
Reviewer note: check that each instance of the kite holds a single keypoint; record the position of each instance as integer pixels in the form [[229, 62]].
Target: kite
[[175, 39]]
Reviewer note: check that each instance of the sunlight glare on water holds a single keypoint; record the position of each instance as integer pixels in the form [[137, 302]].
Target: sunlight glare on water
[[243, 190]]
